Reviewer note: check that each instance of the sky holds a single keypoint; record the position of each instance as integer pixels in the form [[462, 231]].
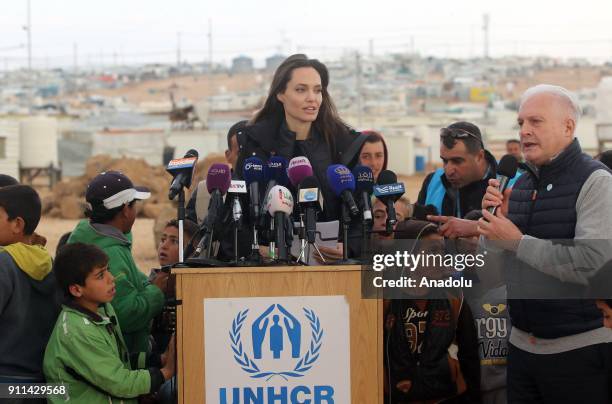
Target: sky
[[136, 31]]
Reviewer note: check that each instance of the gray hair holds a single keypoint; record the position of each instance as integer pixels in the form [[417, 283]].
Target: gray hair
[[557, 91]]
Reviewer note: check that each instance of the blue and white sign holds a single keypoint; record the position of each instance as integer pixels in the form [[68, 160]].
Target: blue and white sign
[[283, 350]]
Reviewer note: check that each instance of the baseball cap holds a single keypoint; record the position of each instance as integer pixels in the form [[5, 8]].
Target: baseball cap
[[113, 189]]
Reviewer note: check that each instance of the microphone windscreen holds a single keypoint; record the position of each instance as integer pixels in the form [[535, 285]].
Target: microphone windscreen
[[386, 177], [364, 179], [279, 199], [218, 177], [507, 166], [253, 170], [277, 170], [340, 179], [299, 168]]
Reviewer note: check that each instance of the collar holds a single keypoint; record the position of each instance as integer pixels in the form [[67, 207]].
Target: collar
[[110, 231], [561, 160], [94, 317]]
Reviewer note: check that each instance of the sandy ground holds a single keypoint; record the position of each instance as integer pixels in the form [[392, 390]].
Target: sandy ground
[[144, 250]]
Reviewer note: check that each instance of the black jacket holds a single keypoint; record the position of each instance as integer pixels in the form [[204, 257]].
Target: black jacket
[[268, 137], [470, 196], [429, 372]]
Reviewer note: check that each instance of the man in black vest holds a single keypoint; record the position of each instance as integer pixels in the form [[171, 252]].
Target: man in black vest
[[559, 350]]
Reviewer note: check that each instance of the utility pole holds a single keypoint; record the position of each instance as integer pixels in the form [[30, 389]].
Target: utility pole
[[358, 85], [210, 44], [28, 29], [371, 43], [485, 30], [178, 49], [75, 57]]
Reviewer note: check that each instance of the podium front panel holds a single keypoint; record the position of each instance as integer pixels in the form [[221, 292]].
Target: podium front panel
[[252, 315]]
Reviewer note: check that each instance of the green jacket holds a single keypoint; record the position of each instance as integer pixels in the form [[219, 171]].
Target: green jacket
[[87, 353], [136, 301]]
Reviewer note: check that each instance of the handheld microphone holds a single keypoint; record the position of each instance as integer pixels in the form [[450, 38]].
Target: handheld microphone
[[342, 182], [182, 170], [506, 170], [279, 204], [254, 175], [388, 190], [309, 198], [299, 168], [364, 186]]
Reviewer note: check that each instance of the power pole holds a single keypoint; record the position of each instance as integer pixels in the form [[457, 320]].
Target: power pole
[[178, 49], [485, 30], [29, 31], [358, 85], [75, 57], [210, 44]]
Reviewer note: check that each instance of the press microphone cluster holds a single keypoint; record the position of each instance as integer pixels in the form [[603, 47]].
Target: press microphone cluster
[[286, 198]]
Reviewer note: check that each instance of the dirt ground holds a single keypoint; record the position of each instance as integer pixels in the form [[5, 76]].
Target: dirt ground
[[143, 248]]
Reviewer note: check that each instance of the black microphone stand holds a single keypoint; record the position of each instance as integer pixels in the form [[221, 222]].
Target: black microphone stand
[[346, 221]]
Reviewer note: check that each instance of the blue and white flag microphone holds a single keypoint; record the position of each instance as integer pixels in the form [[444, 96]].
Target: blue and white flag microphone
[[388, 190], [182, 170]]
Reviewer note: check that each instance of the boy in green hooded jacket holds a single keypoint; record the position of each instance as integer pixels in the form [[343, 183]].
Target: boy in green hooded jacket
[[86, 351]]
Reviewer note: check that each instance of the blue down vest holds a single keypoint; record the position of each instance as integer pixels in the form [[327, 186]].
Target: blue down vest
[[543, 205]]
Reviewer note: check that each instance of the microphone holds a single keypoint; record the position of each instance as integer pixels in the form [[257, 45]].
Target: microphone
[[388, 190], [506, 170], [218, 181], [254, 176], [279, 204], [299, 168], [342, 182], [182, 170], [364, 186], [236, 189], [277, 171], [309, 198]]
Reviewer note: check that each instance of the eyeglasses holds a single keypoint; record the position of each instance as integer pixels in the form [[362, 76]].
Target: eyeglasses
[[458, 133]]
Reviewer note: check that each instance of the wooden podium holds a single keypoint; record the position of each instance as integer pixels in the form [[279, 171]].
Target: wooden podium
[[193, 285]]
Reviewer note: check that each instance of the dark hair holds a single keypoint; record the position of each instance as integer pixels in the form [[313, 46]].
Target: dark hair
[[375, 137], [21, 201], [99, 214], [470, 136], [328, 123], [62, 241], [513, 141], [189, 226], [233, 131], [606, 158], [414, 229], [6, 180], [74, 262]]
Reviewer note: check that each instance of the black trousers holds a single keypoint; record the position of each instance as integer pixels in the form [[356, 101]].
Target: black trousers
[[577, 376]]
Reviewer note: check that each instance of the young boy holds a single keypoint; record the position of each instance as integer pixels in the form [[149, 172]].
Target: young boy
[[168, 249], [86, 350], [29, 302], [112, 212]]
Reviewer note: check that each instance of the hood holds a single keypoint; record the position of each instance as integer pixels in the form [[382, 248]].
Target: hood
[[34, 260], [102, 235]]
